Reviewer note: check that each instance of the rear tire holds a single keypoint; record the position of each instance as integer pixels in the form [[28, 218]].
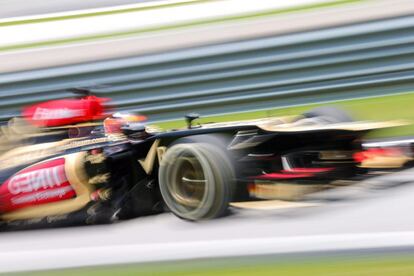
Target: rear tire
[[196, 180]]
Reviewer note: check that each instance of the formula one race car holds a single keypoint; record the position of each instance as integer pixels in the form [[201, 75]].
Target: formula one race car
[[62, 163]]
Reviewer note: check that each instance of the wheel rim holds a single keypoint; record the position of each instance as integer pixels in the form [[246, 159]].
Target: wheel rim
[[188, 185], [188, 188]]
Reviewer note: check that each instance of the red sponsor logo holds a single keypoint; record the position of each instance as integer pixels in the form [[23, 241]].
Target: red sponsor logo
[[60, 113], [65, 112], [42, 183], [36, 180]]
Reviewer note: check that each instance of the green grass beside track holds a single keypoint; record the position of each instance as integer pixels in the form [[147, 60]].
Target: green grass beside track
[[379, 108], [390, 265]]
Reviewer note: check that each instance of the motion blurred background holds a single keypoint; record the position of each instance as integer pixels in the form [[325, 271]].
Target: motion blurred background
[[227, 60]]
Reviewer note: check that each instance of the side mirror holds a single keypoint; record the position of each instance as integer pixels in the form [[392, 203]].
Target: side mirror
[[190, 117]]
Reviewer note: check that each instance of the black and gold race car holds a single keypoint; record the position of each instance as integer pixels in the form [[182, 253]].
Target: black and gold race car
[[67, 162]]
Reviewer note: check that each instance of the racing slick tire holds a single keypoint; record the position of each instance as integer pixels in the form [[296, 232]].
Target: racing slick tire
[[196, 180]]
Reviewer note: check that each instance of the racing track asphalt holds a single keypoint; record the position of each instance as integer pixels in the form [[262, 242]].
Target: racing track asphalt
[[373, 214]]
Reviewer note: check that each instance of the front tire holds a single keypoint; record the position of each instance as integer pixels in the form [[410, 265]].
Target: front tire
[[196, 180]]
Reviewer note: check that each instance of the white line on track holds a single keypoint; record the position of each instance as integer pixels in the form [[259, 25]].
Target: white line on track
[[83, 12], [24, 34], [28, 260]]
